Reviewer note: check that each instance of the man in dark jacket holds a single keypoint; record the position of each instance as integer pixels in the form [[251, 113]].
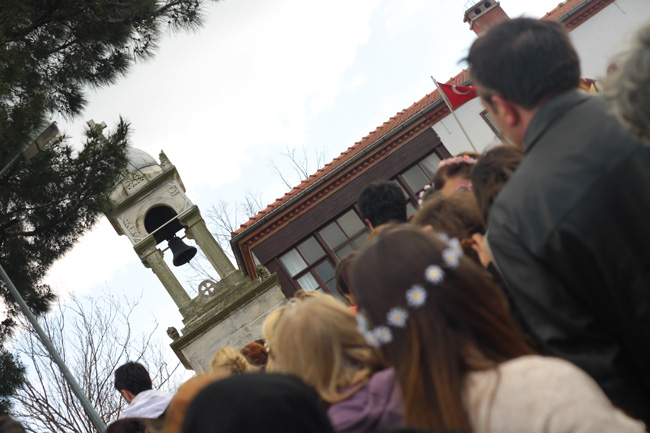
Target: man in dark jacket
[[569, 232]]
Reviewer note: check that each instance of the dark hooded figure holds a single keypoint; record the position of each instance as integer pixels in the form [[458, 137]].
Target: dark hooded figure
[[259, 403]]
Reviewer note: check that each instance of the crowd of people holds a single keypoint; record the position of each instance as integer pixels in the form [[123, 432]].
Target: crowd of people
[[517, 299]]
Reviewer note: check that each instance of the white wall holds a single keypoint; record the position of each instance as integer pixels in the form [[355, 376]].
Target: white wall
[[477, 129], [601, 37], [597, 41]]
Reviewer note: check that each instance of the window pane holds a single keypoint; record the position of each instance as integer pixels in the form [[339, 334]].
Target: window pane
[[351, 223], [325, 271], [333, 236], [415, 178], [430, 165], [344, 251], [410, 210], [310, 250], [308, 282], [360, 241], [293, 262], [332, 287]]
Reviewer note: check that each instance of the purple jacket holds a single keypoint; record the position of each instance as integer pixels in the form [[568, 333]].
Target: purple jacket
[[377, 405]]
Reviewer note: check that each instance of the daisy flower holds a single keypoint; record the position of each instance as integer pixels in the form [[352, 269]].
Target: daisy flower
[[397, 317], [450, 257], [362, 323], [416, 296], [371, 338], [455, 245], [383, 334], [433, 274]]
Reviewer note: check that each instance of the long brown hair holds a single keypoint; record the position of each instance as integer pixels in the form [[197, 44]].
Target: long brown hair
[[492, 172], [464, 325]]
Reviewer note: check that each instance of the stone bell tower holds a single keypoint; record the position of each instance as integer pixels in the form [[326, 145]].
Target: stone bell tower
[[150, 207]]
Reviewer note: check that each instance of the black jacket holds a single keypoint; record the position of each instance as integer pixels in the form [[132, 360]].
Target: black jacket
[[571, 234]]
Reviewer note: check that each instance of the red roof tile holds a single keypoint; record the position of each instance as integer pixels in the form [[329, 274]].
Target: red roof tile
[[392, 123], [359, 146], [562, 9]]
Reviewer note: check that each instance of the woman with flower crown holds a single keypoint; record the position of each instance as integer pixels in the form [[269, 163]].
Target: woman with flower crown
[[460, 359], [317, 340]]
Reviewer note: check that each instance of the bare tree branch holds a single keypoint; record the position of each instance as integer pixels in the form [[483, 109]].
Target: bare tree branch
[[94, 337]]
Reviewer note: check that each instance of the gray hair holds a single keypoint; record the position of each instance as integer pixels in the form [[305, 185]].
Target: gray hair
[[629, 86]]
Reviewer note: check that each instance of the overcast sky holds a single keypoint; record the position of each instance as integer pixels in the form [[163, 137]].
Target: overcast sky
[[258, 77]]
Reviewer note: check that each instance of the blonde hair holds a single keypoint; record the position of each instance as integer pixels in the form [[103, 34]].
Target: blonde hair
[[316, 339], [229, 362], [182, 399], [268, 331]]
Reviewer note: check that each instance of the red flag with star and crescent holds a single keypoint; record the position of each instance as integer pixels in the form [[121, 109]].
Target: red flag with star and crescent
[[458, 95]]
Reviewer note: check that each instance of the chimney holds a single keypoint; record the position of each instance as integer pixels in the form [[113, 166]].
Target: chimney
[[483, 15]]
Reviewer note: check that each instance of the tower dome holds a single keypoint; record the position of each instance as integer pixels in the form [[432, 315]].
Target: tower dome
[[139, 159]]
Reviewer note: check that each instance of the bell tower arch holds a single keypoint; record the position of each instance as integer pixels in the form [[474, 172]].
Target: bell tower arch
[[150, 207]]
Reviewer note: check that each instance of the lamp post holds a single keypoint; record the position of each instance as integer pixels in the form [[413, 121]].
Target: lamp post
[[29, 151]]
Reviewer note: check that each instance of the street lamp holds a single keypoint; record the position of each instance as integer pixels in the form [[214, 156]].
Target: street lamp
[[40, 143]]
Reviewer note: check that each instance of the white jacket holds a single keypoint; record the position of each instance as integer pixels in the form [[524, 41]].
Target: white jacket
[[147, 404]]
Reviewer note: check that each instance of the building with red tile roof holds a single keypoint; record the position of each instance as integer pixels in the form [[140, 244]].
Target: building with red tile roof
[[302, 235]]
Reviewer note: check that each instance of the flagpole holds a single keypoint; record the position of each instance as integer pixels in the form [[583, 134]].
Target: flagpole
[[442, 94]]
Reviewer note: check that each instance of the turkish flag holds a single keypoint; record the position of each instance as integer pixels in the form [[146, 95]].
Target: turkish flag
[[458, 95]]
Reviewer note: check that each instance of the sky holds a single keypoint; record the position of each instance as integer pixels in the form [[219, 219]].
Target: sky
[[258, 78]]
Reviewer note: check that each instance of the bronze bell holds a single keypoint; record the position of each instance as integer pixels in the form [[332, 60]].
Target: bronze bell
[[183, 253]]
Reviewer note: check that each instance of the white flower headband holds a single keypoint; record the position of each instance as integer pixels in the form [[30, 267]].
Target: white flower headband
[[416, 297]]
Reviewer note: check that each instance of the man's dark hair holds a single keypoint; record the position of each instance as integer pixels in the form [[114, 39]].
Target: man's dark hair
[[382, 202], [132, 377], [525, 61]]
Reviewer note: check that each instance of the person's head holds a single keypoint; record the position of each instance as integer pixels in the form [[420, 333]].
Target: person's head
[[229, 362], [131, 379], [457, 216], [8, 425], [182, 399], [382, 203], [318, 341], [435, 315], [518, 65], [629, 86], [491, 173], [342, 275], [452, 175], [270, 403], [255, 353]]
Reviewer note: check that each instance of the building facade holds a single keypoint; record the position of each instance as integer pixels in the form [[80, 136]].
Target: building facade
[[302, 235]]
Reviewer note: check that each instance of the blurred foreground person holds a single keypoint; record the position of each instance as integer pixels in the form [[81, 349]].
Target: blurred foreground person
[[256, 403], [461, 361], [569, 232], [135, 425], [317, 340], [8, 425], [182, 399], [629, 86]]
